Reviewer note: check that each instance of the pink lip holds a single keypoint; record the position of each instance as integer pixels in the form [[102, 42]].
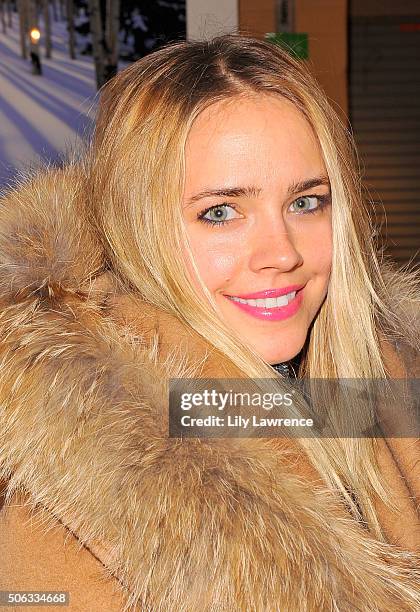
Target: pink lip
[[278, 313], [267, 293]]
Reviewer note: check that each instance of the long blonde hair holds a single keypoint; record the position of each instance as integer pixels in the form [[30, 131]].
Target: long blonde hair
[[136, 179]]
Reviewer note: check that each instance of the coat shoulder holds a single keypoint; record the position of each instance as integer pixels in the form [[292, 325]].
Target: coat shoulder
[[39, 553], [401, 328]]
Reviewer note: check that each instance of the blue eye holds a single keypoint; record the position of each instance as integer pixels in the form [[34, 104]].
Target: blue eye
[[309, 204], [216, 215], [224, 213]]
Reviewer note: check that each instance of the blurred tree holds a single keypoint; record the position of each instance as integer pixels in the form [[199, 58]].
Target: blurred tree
[[104, 28], [97, 40], [47, 26], [164, 20], [32, 12], [9, 13], [23, 26], [70, 28], [112, 29], [3, 16], [126, 29], [34, 35]]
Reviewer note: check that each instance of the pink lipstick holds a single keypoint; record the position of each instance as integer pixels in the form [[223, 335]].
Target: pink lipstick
[[270, 304]]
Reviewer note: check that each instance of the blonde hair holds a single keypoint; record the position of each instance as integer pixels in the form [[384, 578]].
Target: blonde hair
[[136, 179]]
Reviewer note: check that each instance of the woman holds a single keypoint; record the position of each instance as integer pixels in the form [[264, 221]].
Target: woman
[[218, 173]]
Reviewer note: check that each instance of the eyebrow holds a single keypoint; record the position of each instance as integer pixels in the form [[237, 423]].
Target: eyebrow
[[253, 192]]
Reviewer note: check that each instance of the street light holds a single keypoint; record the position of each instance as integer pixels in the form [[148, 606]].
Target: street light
[[35, 36]]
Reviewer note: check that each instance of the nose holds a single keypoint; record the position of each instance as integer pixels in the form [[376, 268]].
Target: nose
[[274, 246]]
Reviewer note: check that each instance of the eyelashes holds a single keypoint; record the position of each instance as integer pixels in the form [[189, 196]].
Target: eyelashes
[[217, 222], [322, 202]]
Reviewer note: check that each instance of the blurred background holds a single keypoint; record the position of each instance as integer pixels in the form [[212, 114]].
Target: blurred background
[[56, 54]]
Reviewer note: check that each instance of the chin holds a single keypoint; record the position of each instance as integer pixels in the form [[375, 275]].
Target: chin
[[273, 359], [282, 350]]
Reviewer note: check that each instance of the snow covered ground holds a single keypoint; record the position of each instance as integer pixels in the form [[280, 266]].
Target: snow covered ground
[[42, 116]]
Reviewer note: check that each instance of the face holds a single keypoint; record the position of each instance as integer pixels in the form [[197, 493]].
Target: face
[[257, 210]]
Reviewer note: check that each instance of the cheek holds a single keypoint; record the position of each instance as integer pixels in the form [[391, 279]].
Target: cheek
[[316, 250], [216, 259], [326, 251]]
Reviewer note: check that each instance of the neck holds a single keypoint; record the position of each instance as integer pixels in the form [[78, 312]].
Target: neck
[[290, 367]]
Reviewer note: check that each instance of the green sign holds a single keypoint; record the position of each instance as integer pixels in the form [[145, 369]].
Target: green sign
[[295, 44]]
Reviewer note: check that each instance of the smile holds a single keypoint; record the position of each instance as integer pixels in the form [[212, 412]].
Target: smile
[[273, 308]]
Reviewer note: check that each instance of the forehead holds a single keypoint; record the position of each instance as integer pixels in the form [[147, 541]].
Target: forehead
[[266, 137]]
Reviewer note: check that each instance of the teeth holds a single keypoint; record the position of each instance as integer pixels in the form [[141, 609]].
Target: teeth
[[283, 300]]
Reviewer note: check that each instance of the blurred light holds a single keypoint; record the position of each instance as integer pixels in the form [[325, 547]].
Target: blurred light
[[35, 34]]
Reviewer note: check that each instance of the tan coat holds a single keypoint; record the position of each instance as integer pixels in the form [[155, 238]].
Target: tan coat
[[104, 505]]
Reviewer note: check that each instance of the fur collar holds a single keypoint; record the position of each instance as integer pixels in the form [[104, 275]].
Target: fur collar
[[182, 524]]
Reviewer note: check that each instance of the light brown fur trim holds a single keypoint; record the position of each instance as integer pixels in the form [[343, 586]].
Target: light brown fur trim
[[210, 525]]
